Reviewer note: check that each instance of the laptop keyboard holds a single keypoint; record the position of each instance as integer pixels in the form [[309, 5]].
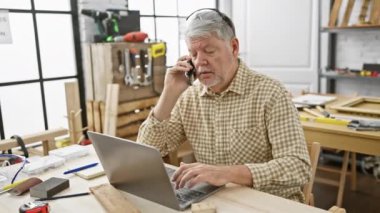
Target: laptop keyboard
[[184, 195]]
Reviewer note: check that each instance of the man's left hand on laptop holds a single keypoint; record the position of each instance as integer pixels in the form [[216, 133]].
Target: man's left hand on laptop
[[191, 174]]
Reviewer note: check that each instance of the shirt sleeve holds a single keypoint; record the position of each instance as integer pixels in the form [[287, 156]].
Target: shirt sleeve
[[165, 135], [290, 165]]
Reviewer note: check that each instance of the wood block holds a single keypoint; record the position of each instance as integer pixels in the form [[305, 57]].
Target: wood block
[[49, 187], [90, 115], [204, 207], [334, 13], [111, 111], [97, 119], [347, 13], [112, 199], [73, 104], [375, 12]]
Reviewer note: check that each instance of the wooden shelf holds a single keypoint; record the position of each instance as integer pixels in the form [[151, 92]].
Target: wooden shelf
[[342, 76], [351, 28]]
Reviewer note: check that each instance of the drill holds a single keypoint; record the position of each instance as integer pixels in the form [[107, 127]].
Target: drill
[[98, 17]]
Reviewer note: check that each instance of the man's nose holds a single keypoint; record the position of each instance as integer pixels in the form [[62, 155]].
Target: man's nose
[[201, 60]]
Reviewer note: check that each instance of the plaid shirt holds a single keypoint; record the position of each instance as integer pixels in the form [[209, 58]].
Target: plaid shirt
[[253, 123]]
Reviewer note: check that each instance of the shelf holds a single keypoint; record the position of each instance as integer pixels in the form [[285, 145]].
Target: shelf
[[341, 76], [351, 29]]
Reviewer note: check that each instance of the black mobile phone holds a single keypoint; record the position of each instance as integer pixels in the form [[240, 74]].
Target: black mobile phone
[[191, 74]]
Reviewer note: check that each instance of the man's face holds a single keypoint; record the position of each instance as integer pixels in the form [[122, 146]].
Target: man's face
[[215, 61]]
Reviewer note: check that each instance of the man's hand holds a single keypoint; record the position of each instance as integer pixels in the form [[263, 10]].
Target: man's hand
[[194, 173], [175, 79], [175, 85]]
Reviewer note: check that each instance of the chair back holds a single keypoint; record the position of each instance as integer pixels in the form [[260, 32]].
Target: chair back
[[314, 150]]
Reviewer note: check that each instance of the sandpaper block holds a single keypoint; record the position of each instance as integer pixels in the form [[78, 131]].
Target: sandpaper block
[[113, 200], [203, 207], [49, 187], [25, 186]]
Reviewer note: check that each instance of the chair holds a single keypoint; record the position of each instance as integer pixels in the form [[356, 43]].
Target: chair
[[314, 150]]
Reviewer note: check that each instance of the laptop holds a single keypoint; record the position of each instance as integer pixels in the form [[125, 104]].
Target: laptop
[[138, 169]]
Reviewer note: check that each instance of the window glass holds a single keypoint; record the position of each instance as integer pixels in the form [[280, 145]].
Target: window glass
[[15, 4], [186, 7], [21, 107], [166, 7], [145, 6], [167, 30], [56, 103], [59, 5], [56, 45], [19, 60], [147, 26]]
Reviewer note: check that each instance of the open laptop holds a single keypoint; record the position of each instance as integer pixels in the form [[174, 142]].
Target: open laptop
[[138, 169]]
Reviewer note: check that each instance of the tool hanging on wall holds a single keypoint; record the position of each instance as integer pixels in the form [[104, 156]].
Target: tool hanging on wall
[[117, 22]]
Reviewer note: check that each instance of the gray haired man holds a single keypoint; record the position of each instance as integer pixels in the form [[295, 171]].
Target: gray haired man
[[241, 124]]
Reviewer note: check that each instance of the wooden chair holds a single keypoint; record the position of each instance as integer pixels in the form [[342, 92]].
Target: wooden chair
[[47, 137], [314, 150]]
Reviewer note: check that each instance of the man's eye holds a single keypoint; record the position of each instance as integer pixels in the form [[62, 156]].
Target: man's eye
[[209, 51]]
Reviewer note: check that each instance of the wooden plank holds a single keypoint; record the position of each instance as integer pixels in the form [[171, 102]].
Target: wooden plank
[[73, 104], [334, 13], [363, 12], [88, 71], [97, 119], [102, 113], [112, 102], [90, 115], [112, 199], [375, 12], [102, 69], [32, 138], [347, 13], [128, 131], [139, 104], [132, 117]]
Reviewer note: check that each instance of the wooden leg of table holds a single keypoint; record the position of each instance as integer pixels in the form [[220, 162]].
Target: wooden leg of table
[[342, 180], [353, 171]]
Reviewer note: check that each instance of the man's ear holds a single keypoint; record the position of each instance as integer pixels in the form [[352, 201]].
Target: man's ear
[[235, 46]]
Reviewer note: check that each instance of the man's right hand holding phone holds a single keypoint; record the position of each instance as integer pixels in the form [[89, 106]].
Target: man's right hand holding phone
[[175, 84]]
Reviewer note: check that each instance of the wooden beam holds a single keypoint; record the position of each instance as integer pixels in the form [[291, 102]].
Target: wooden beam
[[33, 138], [334, 13], [139, 104], [347, 13], [112, 103], [73, 104]]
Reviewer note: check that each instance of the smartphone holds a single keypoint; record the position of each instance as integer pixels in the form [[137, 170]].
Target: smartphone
[[191, 74]]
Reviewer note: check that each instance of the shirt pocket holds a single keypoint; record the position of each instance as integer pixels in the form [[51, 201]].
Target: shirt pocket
[[248, 145]]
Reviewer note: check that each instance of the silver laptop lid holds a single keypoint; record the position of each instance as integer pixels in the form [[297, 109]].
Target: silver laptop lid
[[135, 168]]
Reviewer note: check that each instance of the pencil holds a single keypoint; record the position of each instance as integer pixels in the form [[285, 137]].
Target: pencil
[[64, 196]]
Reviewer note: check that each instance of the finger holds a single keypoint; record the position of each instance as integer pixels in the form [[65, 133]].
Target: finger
[[184, 58], [178, 171], [189, 173], [192, 173], [194, 181]]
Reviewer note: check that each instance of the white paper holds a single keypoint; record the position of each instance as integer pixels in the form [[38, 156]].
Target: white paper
[[5, 29], [313, 100]]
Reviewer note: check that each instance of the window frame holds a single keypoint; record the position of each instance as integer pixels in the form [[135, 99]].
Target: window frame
[[41, 80]]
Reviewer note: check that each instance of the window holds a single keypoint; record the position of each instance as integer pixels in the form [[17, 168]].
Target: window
[[44, 53], [165, 20]]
